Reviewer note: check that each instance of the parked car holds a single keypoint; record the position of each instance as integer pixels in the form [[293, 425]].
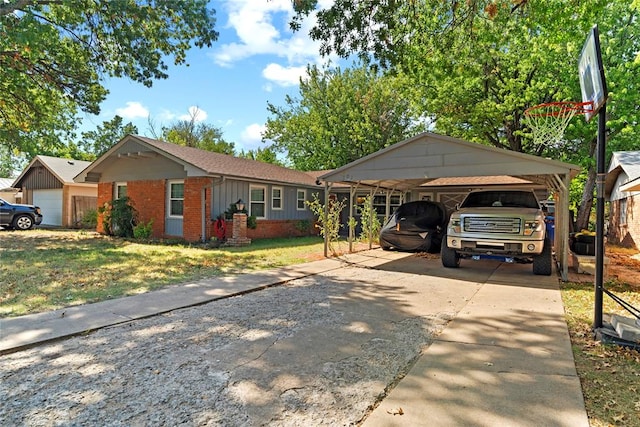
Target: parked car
[[415, 226], [21, 217]]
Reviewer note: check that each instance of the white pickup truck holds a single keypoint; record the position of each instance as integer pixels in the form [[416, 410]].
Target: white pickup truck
[[498, 224]]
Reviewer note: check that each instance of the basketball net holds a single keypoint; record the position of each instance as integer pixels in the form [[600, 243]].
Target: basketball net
[[548, 121]]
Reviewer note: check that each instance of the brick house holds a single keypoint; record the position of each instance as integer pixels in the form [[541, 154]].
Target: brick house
[[184, 190], [622, 189], [47, 182]]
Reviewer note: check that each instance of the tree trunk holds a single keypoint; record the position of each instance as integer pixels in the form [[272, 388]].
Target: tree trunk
[[586, 202]]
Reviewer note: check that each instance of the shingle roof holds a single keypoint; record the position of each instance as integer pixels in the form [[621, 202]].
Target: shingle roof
[[63, 169], [223, 164]]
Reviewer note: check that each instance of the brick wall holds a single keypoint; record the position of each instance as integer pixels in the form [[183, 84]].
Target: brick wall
[[267, 229], [148, 199], [192, 217]]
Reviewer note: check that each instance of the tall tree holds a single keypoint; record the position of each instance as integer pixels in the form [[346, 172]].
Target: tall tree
[[478, 64], [197, 134], [96, 142], [341, 115], [265, 155], [54, 54]]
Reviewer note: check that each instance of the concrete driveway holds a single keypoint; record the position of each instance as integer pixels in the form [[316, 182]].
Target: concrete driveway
[[376, 338]]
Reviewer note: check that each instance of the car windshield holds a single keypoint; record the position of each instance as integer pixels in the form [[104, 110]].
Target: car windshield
[[512, 199]]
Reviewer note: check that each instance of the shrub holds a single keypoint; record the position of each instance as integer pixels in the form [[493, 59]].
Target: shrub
[[142, 230], [119, 217]]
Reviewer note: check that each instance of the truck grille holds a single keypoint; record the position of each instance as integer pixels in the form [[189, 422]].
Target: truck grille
[[492, 225]]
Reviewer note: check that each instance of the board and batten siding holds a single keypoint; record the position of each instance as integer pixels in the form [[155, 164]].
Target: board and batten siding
[[229, 191]]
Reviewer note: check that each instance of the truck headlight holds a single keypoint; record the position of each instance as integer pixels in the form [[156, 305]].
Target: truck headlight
[[531, 227], [454, 225]]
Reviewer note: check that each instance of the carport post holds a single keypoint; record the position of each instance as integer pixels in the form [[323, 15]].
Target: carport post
[[326, 213]]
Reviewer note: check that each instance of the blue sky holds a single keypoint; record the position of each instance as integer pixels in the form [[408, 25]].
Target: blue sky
[[256, 59]]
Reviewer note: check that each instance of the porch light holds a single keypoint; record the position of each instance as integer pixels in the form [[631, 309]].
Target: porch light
[[240, 205]]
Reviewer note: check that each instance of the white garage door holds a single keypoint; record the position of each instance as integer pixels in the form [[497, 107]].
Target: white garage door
[[50, 203]]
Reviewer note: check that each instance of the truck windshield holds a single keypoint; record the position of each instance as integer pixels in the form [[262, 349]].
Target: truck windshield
[[511, 199]]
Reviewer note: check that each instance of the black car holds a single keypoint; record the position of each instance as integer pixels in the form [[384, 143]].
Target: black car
[[21, 217], [415, 226]]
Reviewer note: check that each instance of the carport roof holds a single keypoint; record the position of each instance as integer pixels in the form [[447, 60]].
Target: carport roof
[[418, 160]]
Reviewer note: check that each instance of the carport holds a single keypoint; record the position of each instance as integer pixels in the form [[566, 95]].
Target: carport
[[413, 162]]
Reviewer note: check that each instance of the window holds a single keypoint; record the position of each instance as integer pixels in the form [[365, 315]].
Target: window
[[301, 196], [176, 198], [120, 191], [276, 198], [623, 211], [257, 201]]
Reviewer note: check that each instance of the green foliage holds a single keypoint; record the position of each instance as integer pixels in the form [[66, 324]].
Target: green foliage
[[90, 219], [97, 142], [265, 155], [142, 230], [228, 214], [193, 133], [54, 56], [329, 221], [369, 219], [341, 116], [252, 222], [303, 225], [119, 217]]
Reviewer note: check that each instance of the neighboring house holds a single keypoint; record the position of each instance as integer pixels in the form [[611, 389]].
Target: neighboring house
[[7, 192], [47, 182], [183, 190], [623, 192]]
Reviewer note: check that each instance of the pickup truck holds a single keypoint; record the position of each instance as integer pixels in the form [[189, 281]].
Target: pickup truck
[[508, 225], [21, 217]]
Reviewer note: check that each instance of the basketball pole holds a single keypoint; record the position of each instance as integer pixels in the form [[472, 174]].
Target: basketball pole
[[600, 179]]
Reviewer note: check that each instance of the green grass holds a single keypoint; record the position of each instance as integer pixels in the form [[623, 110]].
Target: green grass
[[609, 374], [41, 271]]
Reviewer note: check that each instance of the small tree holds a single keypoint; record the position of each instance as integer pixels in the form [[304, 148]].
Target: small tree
[[369, 219], [328, 219]]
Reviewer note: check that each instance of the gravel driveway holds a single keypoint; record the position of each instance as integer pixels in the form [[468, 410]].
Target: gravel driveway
[[322, 350]]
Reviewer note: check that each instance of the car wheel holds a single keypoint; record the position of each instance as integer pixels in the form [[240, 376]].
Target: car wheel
[[23, 222], [449, 257], [543, 263]]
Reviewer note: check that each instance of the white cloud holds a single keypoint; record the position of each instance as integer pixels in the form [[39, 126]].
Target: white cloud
[[262, 28], [251, 136], [133, 110], [284, 76]]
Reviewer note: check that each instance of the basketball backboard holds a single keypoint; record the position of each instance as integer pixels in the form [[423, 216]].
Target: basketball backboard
[[592, 82]]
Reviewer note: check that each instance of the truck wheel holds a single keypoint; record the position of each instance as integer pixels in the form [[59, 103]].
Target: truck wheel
[[543, 263], [23, 222], [449, 257]]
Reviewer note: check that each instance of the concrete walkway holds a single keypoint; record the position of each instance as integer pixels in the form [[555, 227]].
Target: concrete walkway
[[505, 359]]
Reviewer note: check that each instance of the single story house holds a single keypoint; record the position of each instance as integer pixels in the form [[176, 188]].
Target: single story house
[[184, 190], [47, 182], [622, 190]]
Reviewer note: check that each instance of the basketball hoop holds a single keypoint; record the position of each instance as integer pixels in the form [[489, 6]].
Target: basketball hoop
[[549, 120]]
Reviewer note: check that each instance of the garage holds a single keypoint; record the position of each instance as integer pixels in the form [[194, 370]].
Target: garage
[[50, 203], [410, 164]]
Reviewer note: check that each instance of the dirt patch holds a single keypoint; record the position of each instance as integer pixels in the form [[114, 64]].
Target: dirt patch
[[623, 267]]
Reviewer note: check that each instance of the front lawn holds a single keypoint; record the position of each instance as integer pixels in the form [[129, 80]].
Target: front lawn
[[42, 270]]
